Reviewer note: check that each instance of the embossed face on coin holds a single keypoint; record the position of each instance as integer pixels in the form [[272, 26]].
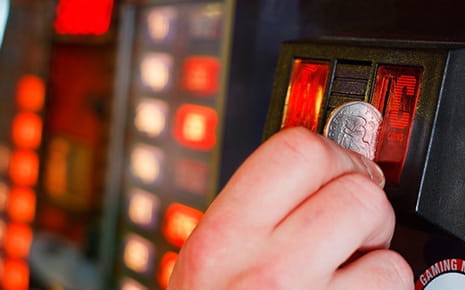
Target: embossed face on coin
[[355, 126]]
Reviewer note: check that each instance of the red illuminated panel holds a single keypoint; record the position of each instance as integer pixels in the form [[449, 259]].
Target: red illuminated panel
[[192, 176], [83, 16], [196, 127], [21, 204], [395, 95], [200, 75], [27, 130], [18, 239], [166, 268], [15, 275], [30, 93], [179, 222], [24, 167], [305, 94]]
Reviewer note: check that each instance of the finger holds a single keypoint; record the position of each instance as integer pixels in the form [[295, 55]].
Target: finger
[[382, 269], [281, 174], [348, 214]]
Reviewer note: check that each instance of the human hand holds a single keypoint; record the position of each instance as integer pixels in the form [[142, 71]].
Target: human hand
[[300, 213]]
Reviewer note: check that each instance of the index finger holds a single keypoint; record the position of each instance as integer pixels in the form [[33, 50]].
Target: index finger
[[281, 174]]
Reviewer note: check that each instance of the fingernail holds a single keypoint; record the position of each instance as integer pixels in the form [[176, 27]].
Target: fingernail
[[376, 174]]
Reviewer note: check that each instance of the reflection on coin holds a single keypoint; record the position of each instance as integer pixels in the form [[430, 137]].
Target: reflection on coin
[[355, 126]]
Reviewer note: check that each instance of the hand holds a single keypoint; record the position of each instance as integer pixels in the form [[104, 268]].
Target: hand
[[300, 213]]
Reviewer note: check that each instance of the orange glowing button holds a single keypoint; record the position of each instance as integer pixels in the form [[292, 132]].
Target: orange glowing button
[[30, 93], [395, 95], [138, 254], [196, 127], [24, 167], [305, 94], [18, 239], [27, 130], [166, 268], [179, 222], [200, 75], [15, 275], [83, 16], [21, 204]]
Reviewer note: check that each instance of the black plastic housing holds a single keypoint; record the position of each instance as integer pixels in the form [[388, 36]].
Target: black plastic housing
[[432, 184]]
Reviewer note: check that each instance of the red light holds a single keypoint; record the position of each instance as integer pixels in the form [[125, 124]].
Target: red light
[[166, 268], [27, 130], [196, 127], [30, 93], [395, 95], [305, 94], [24, 167], [180, 221], [15, 275], [200, 75], [18, 239], [83, 16], [21, 204]]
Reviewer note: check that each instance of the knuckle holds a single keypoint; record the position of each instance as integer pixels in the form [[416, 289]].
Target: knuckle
[[397, 268], [366, 195], [302, 145]]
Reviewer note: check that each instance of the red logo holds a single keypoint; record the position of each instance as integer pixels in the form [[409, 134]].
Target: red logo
[[447, 274]]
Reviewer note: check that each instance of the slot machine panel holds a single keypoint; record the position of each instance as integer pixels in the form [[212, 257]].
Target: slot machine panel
[[417, 89]]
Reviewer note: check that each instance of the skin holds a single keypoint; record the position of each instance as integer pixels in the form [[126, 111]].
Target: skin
[[300, 213]]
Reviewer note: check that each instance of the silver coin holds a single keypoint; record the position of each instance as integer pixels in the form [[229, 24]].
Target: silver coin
[[355, 126]]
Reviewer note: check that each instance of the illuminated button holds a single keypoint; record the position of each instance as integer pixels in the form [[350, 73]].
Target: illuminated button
[[129, 284], [15, 274], [4, 193], [395, 95], [56, 173], [191, 176], [24, 167], [196, 127], [83, 16], [166, 268], [30, 93], [21, 204], [206, 21], [200, 75], [27, 130], [18, 239], [155, 70], [143, 208], [179, 222], [160, 22], [305, 94], [138, 254], [151, 117], [146, 162]]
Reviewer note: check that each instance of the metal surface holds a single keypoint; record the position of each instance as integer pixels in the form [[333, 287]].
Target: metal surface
[[355, 126], [4, 9]]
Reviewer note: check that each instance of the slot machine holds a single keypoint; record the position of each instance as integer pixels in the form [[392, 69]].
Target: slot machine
[[187, 82], [368, 79]]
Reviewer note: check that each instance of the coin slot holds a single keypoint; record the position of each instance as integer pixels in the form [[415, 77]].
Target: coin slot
[[305, 94], [395, 95]]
